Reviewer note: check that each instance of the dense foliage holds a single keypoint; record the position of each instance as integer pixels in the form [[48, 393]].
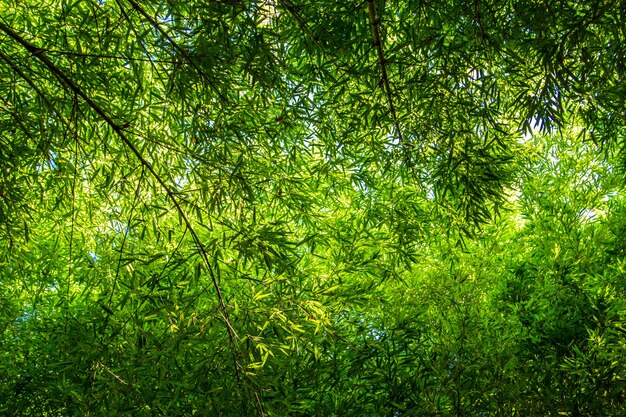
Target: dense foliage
[[312, 208]]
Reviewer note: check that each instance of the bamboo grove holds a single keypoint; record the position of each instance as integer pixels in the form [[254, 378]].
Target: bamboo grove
[[312, 208]]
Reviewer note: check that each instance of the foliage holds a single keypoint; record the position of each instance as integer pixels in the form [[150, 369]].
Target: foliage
[[274, 208]]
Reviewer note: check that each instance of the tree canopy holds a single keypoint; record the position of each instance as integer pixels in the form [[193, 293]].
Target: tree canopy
[[312, 208]]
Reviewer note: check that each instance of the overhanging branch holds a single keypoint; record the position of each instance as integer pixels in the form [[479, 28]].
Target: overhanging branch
[[375, 24], [175, 45], [39, 53], [301, 22]]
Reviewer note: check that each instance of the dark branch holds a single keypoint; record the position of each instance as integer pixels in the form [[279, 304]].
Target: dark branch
[[119, 131], [41, 94], [375, 24], [301, 22], [183, 52]]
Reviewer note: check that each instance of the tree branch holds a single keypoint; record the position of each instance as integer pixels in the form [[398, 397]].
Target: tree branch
[[301, 22], [119, 131], [185, 54], [375, 24], [41, 94]]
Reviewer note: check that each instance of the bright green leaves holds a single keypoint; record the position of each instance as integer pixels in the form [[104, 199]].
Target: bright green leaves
[[210, 208]]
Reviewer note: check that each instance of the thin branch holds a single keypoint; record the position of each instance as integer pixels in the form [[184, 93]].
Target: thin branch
[[344, 68], [120, 132], [17, 119], [41, 94], [32, 85], [301, 22], [375, 23], [185, 54]]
